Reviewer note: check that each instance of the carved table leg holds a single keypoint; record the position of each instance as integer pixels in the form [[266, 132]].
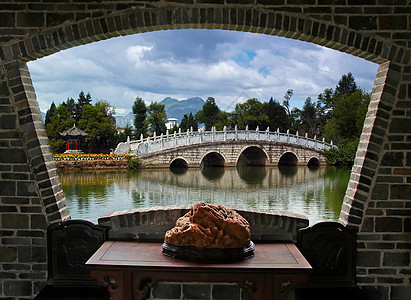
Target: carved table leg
[[118, 284], [143, 286]]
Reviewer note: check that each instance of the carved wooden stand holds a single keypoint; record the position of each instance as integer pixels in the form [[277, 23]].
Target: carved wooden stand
[[131, 269]]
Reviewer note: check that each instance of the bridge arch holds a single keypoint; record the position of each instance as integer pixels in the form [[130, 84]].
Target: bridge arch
[[313, 162], [252, 156], [179, 162], [288, 158], [212, 159]]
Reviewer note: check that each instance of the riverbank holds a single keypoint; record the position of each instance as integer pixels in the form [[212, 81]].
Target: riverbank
[[92, 164], [93, 161]]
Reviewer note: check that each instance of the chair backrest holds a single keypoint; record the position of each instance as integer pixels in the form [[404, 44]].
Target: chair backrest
[[70, 245], [330, 248]]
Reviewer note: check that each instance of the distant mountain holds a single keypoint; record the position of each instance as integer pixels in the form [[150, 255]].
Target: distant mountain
[[122, 121], [178, 108]]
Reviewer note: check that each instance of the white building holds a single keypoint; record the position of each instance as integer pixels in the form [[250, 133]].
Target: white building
[[171, 122]]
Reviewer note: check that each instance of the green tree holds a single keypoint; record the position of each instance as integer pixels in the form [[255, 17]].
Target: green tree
[[157, 118], [251, 113], [346, 85], [277, 115], [309, 118], [57, 120], [225, 119], [344, 155], [188, 121], [99, 122], [82, 100], [50, 113], [209, 114], [140, 114], [348, 116]]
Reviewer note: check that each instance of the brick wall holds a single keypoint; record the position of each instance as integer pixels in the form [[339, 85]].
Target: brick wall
[[377, 201], [379, 192], [30, 196]]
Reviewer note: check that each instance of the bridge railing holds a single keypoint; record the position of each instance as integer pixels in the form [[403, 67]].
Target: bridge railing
[[177, 139]]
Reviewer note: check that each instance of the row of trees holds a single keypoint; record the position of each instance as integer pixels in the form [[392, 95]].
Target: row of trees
[[97, 120]]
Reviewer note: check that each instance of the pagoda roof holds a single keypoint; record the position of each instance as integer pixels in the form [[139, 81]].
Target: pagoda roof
[[74, 131]]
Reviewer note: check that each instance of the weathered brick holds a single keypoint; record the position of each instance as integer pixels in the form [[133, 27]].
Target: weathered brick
[[38, 222], [380, 192], [400, 191], [15, 221], [368, 259], [226, 292], [388, 224], [8, 254], [7, 19], [393, 159], [400, 125], [32, 19], [8, 188], [17, 288], [407, 225], [400, 292], [12, 156], [363, 22], [167, 291], [396, 259]]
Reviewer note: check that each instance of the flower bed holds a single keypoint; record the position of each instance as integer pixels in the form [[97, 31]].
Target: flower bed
[[74, 161], [91, 156]]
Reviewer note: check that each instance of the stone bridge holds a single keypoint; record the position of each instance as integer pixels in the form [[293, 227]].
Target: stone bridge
[[227, 148]]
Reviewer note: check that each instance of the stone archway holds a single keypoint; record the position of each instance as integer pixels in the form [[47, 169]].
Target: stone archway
[[380, 176], [313, 162], [252, 156], [288, 159], [212, 159], [179, 163]]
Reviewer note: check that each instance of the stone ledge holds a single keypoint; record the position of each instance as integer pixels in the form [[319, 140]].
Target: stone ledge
[[150, 224]]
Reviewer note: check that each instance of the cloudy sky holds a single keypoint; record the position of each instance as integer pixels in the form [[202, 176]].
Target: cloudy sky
[[229, 66]]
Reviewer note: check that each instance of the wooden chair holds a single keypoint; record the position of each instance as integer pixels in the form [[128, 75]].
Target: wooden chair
[[330, 248], [70, 244]]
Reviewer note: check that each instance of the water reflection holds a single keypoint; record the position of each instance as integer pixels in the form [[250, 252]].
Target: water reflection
[[316, 193]]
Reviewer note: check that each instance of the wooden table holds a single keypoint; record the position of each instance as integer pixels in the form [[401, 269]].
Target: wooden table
[[130, 269]]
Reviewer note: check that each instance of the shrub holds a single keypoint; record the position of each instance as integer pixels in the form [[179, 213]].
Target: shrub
[[344, 155], [134, 163]]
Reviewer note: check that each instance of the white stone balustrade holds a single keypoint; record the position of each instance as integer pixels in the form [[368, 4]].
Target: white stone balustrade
[[177, 139]]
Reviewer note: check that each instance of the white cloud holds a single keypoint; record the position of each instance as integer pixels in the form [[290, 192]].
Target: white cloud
[[136, 53], [187, 63]]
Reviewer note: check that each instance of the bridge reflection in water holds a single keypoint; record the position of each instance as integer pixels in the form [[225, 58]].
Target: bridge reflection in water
[[315, 193]]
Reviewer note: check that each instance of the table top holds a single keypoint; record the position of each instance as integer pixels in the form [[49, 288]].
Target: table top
[[138, 255]]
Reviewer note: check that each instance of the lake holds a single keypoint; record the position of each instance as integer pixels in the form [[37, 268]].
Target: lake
[[316, 193]]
